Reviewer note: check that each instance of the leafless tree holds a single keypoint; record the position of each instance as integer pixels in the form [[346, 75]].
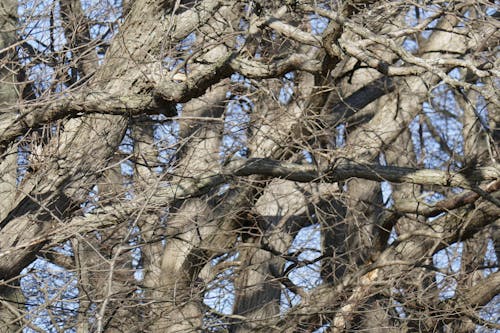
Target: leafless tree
[[249, 166]]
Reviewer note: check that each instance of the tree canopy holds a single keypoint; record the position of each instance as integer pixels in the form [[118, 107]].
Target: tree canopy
[[249, 166]]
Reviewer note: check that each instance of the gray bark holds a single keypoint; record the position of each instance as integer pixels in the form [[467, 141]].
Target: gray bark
[[275, 130], [12, 298]]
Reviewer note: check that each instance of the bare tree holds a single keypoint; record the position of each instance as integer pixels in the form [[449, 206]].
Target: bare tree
[[249, 166]]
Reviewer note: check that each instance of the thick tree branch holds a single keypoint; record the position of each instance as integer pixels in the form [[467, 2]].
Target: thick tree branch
[[344, 169], [167, 194], [167, 94], [18, 122], [405, 252]]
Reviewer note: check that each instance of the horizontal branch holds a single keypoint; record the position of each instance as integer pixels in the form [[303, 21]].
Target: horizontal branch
[[166, 94], [167, 194], [199, 81], [344, 169], [22, 118]]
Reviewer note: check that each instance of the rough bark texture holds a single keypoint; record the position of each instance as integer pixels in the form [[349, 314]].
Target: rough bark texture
[[11, 296], [249, 166]]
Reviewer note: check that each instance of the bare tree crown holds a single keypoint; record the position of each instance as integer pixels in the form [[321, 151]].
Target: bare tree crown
[[249, 166]]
